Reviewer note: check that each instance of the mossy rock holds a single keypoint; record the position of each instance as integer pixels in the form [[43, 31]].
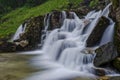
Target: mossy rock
[[116, 3], [33, 31]]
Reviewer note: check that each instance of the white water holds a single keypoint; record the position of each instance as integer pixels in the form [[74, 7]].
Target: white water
[[20, 30], [64, 54]]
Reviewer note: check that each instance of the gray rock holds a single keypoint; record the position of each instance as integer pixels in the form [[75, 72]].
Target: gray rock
[[105, 54], [97, 33]]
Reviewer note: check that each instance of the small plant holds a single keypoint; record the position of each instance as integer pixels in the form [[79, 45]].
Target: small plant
[[93, 3]]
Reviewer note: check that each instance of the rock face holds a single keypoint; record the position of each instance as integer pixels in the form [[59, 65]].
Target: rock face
[[99, 72], [105, 54], [116, 63], [117, 31], [96, 35], [82, 11]]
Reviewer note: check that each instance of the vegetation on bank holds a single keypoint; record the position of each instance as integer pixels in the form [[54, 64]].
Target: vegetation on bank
[[10, 22], [14, 66], [6, 6]]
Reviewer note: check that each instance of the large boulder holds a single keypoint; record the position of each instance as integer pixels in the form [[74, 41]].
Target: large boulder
[[97, 33], [105, 54], [33, 32]]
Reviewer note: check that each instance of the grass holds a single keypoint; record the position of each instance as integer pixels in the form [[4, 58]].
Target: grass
[[10, 22], [14, 66]]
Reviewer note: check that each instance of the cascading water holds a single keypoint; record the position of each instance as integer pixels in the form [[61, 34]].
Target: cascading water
[[64, 52], [20, 30]]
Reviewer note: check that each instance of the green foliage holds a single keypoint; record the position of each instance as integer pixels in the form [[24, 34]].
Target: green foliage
[[93, 3]]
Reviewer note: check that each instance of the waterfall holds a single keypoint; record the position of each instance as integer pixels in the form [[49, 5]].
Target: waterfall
[[64, 53], [20, 30]]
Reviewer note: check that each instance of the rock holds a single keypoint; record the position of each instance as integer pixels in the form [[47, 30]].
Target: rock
[[116, 63], [7, 47], [99, 72], [116, 11], [55, 20], [105, 54], [117, 31], [97, 33], [22, 43], [32, 34]]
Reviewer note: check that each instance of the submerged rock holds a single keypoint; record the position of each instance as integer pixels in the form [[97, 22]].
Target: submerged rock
[[7, 46], [99, 72], [105, 54], [97, 33]]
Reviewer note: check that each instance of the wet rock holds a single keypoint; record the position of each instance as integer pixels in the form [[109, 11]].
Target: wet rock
[[82, 11], [116, 63], [97, 33], [55, 20], [105, 54], [117, 31], [99, 72]]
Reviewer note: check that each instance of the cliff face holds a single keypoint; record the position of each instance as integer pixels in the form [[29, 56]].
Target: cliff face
[[116, 12]]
